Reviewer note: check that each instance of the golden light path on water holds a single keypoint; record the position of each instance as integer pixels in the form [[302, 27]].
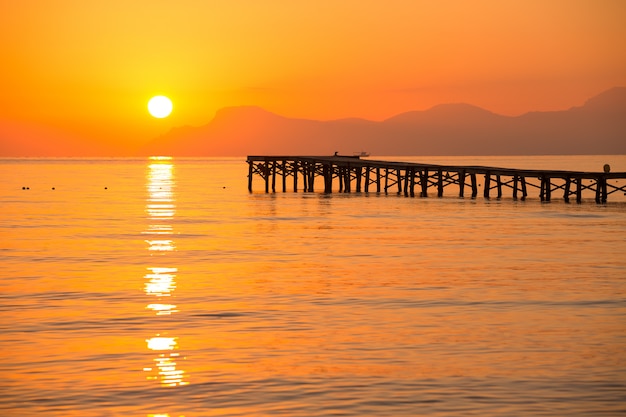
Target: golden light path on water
[[160, 278]]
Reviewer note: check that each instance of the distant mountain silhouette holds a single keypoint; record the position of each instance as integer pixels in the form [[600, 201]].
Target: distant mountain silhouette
[[597, 127]]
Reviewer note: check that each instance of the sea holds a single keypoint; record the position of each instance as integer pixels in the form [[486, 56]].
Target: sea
[[162, 287]]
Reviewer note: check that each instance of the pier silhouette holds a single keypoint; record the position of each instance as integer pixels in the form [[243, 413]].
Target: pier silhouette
[[345, 174]]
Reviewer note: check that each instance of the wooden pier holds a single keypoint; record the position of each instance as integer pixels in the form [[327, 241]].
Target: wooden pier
[[348, 174]]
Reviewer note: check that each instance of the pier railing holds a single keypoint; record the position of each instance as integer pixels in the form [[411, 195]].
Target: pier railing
[[352, 174]]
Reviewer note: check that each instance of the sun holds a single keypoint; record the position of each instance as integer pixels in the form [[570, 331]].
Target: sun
[[160, 106]]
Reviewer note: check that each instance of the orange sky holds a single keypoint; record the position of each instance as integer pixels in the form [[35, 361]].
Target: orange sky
[[83, 71]]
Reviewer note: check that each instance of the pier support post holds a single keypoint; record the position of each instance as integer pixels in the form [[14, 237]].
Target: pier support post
[[579, 190], [439, 182], [386, 179], [284, 168], [487, 185], [250, 165], [499, 183], [377, 179], [474, 185], [524, 191], [328, 178], [312, 167], [568, 184], [367, 179], [359, 175], [461, 174], [295, 176], [399, 180], [515, 181], [266, 175], [305, 176], [546, 188], [340, 177], [274, 176], [407, 172], [424, 182], [601, 190]]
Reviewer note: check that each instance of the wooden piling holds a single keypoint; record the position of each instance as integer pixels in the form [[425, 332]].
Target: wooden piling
[[312, 168], [424, 183], [406, 181], [359, 173], [546, 189], [487, 185], [474, 185], [305, 176], [274, 176], [566, 192], [461, 183], [386, 179], [399, 180], [266, 176], [440, 182], [250, 167], [499, 185], [295, 176], [601, 189]]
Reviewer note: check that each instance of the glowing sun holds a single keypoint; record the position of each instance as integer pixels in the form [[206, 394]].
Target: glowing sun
[[160, 106]]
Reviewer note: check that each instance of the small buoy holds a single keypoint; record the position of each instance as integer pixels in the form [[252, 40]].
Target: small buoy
[[607, 168], [23, 188], [106, 188], [53, 188]]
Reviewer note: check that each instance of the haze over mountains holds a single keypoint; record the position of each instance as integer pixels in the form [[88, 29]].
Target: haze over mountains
[[597, 127]]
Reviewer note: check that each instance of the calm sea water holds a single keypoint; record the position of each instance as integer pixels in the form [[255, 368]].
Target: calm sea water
[[161, 287]]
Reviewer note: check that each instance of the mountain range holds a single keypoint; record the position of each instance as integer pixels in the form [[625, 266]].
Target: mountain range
[[597, 127]]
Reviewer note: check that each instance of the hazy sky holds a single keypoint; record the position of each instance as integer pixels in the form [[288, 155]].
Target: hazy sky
[[85, 70]]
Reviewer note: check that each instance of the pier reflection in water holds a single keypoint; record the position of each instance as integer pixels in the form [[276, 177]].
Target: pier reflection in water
[[160, 278]]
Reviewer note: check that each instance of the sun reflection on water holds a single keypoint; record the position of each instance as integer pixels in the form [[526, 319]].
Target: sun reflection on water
[[160, 280], [161, 245], [162, 309]]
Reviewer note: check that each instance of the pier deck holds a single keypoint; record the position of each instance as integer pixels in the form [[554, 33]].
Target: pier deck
[[353, 174]]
